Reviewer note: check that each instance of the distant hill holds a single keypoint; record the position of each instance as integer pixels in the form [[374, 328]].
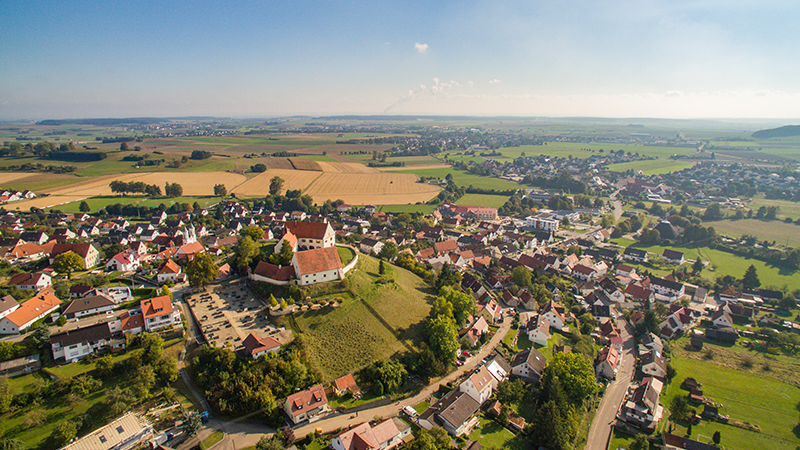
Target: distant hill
[[787, 131]]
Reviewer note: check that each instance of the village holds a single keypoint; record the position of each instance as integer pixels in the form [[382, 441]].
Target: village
[[540, 291]]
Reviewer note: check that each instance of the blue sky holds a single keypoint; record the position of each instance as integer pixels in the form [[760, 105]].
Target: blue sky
[[679, 59]]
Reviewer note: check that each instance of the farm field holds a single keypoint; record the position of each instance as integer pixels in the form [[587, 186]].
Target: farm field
[[651, 167], [467, 179], [491, 201], [96, 203], [787, 234], [352, 336], [354, 188], [764, 401], [412, 208], [193, 185]]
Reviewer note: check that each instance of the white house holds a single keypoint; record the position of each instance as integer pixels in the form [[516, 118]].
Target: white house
[[159, 312], [256, 347], [73, 345], [8, 305], [608, 362], [30, 281], [124, 261], [86, 306], [29, 312], [306, 405], [170, 271], [317, 265], [384, 435], [539, 330], [478, 385]]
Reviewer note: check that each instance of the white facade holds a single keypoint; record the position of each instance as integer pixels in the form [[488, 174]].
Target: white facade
[[545, 223], [319, 277]]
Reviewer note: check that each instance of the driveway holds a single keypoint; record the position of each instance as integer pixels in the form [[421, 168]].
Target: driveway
[[337, 420], [606, 414]]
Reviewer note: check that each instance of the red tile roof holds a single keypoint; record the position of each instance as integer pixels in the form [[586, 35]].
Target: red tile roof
[[273, 272], [308, 399], [254, 344], [34, 307], [157, 306], [317, 260], [308, 230]]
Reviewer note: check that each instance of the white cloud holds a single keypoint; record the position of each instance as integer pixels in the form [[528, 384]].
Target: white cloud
[[422, 48], [495, 81]]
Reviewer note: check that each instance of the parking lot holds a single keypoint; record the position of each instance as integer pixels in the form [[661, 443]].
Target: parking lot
[[228, 313]]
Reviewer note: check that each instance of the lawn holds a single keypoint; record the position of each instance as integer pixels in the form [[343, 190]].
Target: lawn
[[651, 167], [785, 207], [493, 435], [421, 407], [346, 254], [385, 320], [764, 401], [620, 440], [491, 201], [211, 440]]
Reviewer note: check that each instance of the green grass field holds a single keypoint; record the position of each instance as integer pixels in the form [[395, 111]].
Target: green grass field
[[351, 336], [397, 209], [785, 207], [96, 203], [468, 179], [491, 201], [787, 234], [651, 167], [764, 401], [724, 263]]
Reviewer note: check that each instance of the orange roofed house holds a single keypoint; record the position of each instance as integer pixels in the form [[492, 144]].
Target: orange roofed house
[[256, 347], [306, 405], [307, 236], [29, 312], [383, 435], [158, 313], [317, 265]]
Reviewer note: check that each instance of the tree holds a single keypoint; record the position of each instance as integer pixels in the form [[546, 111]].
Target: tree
[[717, 437], [443, 338], [284, 257], [275, 185], [243, 253], [201, 270], [388, 252], [697, 267], [381, 268], [392, 375], [173, 190], [220, 190], [272, 300], [123, 146], [640, 442], [521, 276], [511, 392], [191, 423], [750, 279], [447, 277], [84, 207], [434, 439], [254, 232], [575, 375], [679, 407], [11, 444], [6, 395], [64, 432], [270, 443], [67, 263]]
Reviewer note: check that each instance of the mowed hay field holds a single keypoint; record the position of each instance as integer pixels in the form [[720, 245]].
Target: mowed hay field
[[383, 320], [353, 187], [194, 184]]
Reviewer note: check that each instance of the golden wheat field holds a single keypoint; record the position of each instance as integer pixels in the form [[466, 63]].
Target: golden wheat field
[[355, 188], [200, 183], [345, 167], [8, 177]]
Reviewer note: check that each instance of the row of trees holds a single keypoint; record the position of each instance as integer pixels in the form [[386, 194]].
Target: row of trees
[[136, 187]]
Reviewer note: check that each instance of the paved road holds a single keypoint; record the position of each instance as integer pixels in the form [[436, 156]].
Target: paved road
[[337, 420], [600, 432], [617, 206]]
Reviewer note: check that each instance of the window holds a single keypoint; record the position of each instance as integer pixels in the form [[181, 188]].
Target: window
[[120, 430], [103, 439]]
